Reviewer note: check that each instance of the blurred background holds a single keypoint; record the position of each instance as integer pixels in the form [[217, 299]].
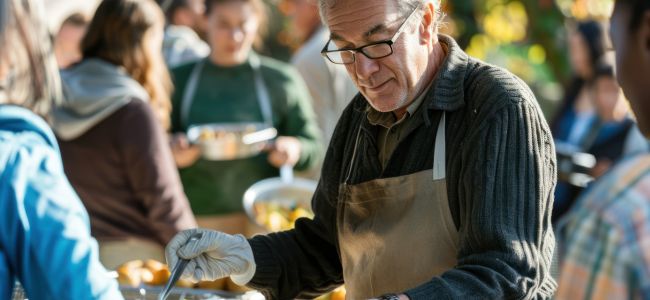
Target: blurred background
[[528, 37]]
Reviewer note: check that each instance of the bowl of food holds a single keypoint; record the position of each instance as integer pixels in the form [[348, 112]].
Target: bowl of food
[[275, 203], [228, 141], [143, 280]]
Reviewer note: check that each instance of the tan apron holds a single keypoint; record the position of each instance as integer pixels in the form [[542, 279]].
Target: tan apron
[[396, 233]]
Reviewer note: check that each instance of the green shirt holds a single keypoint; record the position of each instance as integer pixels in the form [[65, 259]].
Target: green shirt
[[227, 94]]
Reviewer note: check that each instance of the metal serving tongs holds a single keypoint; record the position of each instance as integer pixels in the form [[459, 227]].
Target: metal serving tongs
[[178, 269]]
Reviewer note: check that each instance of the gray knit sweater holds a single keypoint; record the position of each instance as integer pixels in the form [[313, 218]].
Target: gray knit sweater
[[500, 179]]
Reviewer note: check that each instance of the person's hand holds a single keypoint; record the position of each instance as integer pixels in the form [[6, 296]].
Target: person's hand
[[185, 154], [285, 151], [215, 255]]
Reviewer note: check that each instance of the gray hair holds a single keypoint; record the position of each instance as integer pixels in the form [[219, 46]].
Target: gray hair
[[404, 6], [32, 78]]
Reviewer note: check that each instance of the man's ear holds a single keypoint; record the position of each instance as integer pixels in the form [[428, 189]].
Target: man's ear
[[429, 24]]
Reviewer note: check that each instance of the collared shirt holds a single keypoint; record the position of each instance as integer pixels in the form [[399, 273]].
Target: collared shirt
[[606, 245], [391, 130]]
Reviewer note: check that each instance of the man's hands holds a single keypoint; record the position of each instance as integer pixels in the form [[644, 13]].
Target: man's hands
[[215, 255]]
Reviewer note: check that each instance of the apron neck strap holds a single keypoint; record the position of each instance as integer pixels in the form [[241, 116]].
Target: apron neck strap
[[263, 98], [439, 164], [439, 154], [190, 90], [262, 91]]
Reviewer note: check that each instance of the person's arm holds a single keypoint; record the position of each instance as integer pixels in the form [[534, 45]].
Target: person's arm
[[299, 121], [305, 261], [152, 173], [184, 153], [504, 195], [45, 231], [597, 262]]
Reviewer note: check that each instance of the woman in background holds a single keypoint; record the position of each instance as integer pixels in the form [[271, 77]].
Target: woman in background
[[45, 241], [594, 118], [235, 84], [115, 150], [572, 125]]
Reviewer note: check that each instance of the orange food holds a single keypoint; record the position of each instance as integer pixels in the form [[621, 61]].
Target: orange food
[[184, 283], [129, 276], [233, 287], [338, 294], [154, 265], [218, 284], [160, 277]]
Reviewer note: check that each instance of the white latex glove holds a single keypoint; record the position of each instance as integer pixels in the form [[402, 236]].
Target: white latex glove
[[215, 255]]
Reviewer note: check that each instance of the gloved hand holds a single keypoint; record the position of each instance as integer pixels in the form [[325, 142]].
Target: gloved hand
[[215, 255]]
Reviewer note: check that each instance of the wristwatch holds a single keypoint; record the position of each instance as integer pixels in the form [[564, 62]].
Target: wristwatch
[[389, 297]]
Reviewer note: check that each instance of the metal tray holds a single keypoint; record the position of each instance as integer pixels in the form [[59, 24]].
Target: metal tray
[[152, 292], [227, 141], [145, 292]]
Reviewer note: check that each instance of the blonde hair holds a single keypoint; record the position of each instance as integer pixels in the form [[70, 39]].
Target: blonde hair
[[118, 34], [32, 78]]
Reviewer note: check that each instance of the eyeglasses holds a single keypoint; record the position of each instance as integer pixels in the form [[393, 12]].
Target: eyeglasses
[[374, 50]]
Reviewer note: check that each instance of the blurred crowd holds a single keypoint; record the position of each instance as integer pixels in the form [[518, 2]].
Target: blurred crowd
[[135, 75]]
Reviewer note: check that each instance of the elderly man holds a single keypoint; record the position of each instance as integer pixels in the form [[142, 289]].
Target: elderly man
[[605, 238], [438, 181]]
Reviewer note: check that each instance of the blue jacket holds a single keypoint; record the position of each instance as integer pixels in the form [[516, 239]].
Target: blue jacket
[[45, 240]]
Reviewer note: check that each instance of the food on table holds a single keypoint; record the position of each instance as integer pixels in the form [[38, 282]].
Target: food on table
[[219, 284], [337, 294], [233, 287], [184, 283], [130, 273], [151, 272]]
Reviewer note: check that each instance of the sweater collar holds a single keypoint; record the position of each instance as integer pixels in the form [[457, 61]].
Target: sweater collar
[[447, 90]]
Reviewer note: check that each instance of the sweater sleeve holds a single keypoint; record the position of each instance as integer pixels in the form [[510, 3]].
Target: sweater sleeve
[[305, 262], [152, 173], [44, 232], [505, 193], [299, 121]]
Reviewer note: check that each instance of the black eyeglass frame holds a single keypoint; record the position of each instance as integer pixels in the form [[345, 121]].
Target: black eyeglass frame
[[324, 52]]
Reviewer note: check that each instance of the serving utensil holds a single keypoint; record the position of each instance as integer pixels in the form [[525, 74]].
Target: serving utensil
[[178, 269]]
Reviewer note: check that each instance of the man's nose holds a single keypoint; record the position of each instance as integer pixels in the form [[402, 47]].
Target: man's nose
[[365, 66]]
